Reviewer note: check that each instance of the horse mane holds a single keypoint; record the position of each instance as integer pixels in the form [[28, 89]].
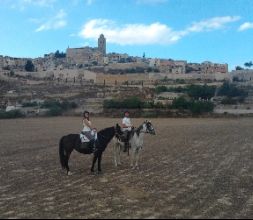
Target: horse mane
[[105, 130], [138, 130]]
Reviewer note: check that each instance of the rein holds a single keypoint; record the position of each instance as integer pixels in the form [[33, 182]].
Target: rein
[[104, 137]]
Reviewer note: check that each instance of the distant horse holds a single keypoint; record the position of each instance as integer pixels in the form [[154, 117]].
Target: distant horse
[[136, 143], [73, 142]]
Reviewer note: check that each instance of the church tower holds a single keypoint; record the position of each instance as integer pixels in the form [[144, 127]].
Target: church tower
[[102, 44]]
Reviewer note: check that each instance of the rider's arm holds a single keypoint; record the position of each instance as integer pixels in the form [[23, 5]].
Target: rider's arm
[[124, 126], [87, 123]]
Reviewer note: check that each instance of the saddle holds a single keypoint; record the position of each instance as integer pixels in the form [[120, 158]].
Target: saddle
[[87, 144], [122, 138], [125, 139]]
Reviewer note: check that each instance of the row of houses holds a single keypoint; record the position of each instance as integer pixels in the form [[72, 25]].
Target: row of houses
[[80, 58]]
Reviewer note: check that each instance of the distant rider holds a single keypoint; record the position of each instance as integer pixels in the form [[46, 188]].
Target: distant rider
[[126, 128], [89, 134]]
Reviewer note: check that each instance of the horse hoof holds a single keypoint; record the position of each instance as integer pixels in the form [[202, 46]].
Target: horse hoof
[[99, 173], [69, 173]]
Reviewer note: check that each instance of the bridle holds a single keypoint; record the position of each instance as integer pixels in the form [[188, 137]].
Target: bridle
[[148, 130]]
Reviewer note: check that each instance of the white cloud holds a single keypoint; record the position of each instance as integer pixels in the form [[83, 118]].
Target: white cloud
[[130, 34], [212, 24], [57, 22], [246, 26], [142, 34]]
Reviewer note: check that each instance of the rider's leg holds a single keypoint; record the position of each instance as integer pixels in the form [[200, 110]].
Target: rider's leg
[[127, 141]]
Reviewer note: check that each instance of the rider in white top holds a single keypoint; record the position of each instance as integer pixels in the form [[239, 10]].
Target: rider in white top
[[88, 133], [86, 125], [126, 128], [126, 123]]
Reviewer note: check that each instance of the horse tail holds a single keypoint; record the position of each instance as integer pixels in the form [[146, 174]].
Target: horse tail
[[62, 154]]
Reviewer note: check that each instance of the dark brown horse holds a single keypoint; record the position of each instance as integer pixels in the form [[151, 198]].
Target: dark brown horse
[[73, 142]]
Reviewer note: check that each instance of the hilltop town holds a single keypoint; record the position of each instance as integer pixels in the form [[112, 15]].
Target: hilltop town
[[88, 76]]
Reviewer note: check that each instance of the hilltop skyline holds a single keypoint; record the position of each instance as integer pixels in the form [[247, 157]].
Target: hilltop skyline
[[194, 30]]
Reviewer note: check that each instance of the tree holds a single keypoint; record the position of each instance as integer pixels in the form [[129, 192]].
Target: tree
[[29, 67], [248, 64], [161, 89], [180, 103], [230, 90], [94, 63], [204, 92], [59, 55], [238, 68]]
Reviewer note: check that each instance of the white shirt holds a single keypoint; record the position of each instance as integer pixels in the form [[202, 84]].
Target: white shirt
[[127, 122], [85, 127]]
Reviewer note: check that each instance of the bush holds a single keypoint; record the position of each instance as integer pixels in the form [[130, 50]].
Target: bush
[[11, 114], [57, 108], [29, 67], [180, 81], [55, 111], [59, 55], [180, 103], [30, 104], [199, 107], [196, 107], [203, 92], [194, 91], [160, 89], [230, 90]]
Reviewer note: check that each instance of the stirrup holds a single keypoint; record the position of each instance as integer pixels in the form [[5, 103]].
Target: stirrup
[[94, 147]]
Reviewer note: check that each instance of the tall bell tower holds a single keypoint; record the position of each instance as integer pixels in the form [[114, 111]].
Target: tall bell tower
[[102, 44]]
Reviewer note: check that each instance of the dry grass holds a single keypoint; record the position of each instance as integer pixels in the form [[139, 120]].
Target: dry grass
[[193, 168]]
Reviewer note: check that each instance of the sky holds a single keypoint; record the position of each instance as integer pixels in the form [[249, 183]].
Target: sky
[[219, 31]]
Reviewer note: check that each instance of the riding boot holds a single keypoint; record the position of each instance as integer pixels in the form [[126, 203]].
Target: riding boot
[[126, 147], [127, 141], [93, 145]]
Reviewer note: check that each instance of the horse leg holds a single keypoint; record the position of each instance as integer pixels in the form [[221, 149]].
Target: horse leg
[[99, 163], [115, 152], [94, 162], [67, 163], [132, 157], [118, 153], [137, 159]]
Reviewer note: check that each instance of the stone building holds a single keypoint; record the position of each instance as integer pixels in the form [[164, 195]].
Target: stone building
[[102, 45], [242, 75], [118, 58], [12, 63], [154, 63], [87, 55], [169, 66], [208, 68], [1, 62]]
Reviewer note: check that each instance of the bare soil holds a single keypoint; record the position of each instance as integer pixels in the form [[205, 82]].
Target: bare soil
[[193, 168]]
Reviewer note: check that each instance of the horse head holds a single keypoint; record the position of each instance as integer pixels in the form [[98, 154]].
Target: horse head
[[149, 128]]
